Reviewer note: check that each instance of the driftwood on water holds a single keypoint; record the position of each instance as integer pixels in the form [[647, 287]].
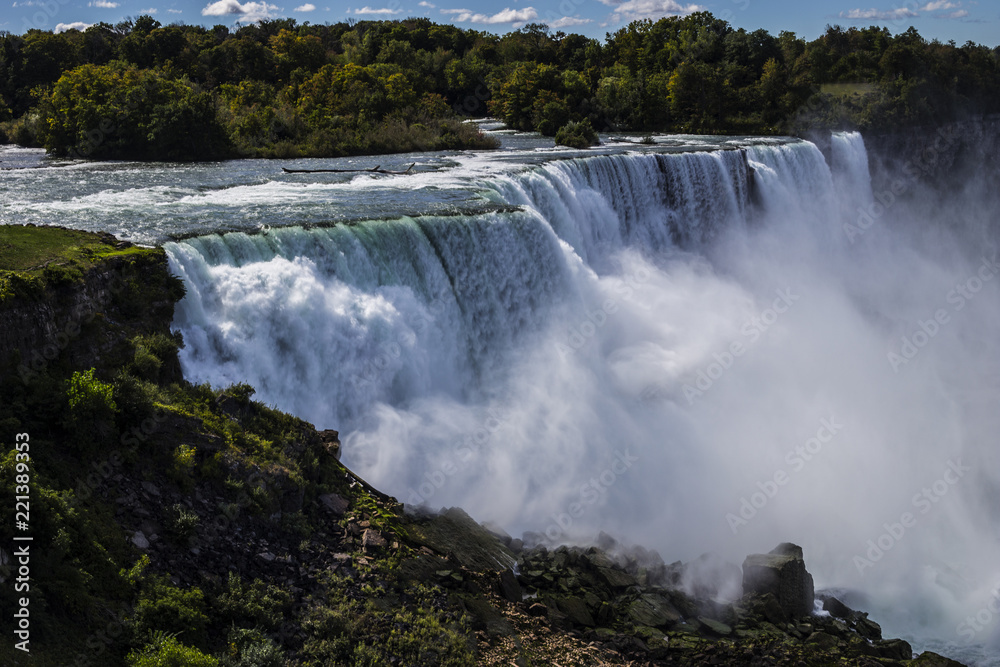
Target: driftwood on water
[[374, 170]]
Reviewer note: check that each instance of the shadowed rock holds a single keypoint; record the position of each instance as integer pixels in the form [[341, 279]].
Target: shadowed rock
[[782, 572]]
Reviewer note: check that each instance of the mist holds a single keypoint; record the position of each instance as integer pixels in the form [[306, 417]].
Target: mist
[[704, 359]]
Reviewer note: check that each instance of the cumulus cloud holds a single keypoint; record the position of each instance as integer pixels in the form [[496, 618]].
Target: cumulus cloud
[[174, 11], [150, 11], [508, 15], [76, 25], [960, 14], [428, 5], [568, 22], [879, 14], [249, 12], [636, 10], [308, 7], [103, 4], [369, 10]]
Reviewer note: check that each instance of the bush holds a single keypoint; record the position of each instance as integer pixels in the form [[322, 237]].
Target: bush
[[250, 648], [577, 135], [164, 607], [255, 603], [165, 651], [92, 407], [183, 523]]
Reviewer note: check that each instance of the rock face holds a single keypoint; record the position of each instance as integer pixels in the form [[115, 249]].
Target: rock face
[[86, 321], [782, 573]]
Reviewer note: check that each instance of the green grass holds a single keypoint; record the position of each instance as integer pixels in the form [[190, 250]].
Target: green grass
[[32, 257], [30, 249]]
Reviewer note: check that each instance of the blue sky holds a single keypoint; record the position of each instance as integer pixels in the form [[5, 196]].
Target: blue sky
[[960, 20]]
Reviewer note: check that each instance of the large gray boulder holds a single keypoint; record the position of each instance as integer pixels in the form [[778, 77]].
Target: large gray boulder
[[782, 572]]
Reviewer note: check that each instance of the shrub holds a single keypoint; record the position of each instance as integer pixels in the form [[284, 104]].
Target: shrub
[[577, 135], [164, 607], [183, 523], [255, 603], [92, 407], [165, 651], [182, 469], [250, 648]]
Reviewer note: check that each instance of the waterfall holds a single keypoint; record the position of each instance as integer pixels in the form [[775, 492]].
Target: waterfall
[[644, 343]]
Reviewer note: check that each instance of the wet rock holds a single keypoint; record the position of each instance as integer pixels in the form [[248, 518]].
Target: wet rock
[[455, 533], [576, 610], [139, 540], [782, 573], [836, 608], [895, 649], [652, 610], [508, 586], [931, 659], [715, 627]]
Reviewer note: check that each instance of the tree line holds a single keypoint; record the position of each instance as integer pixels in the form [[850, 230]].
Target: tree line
[[142, 90]]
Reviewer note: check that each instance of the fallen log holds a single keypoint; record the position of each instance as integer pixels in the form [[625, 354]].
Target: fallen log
[[373, 170]]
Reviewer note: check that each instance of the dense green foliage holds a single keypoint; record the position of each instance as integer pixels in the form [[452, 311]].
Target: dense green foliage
[[143, 90], [577, 135]]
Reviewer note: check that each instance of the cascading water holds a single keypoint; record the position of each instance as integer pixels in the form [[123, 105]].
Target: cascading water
[[641, 350]]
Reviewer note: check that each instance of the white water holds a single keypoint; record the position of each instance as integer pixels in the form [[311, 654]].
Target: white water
[[640, 350]]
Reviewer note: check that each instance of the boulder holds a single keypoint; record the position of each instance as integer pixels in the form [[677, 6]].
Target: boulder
[[931, 659], [652, 610], [508, 586], [334, 503], [782, 572]]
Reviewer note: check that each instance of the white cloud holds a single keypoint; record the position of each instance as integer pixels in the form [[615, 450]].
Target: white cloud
[[151, 11], [174, 11], [366, 10], [879, 14], [103, 4], [636, 10], [567, 22], [76, 25], [508, 15], [909, 12], [428, 5], [938, 5], [308, 7], [249, 12]]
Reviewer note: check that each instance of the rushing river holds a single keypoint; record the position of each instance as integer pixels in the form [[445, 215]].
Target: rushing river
[[698, 345]]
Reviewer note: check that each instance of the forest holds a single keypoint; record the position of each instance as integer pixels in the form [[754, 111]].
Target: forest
[[142, 90]]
